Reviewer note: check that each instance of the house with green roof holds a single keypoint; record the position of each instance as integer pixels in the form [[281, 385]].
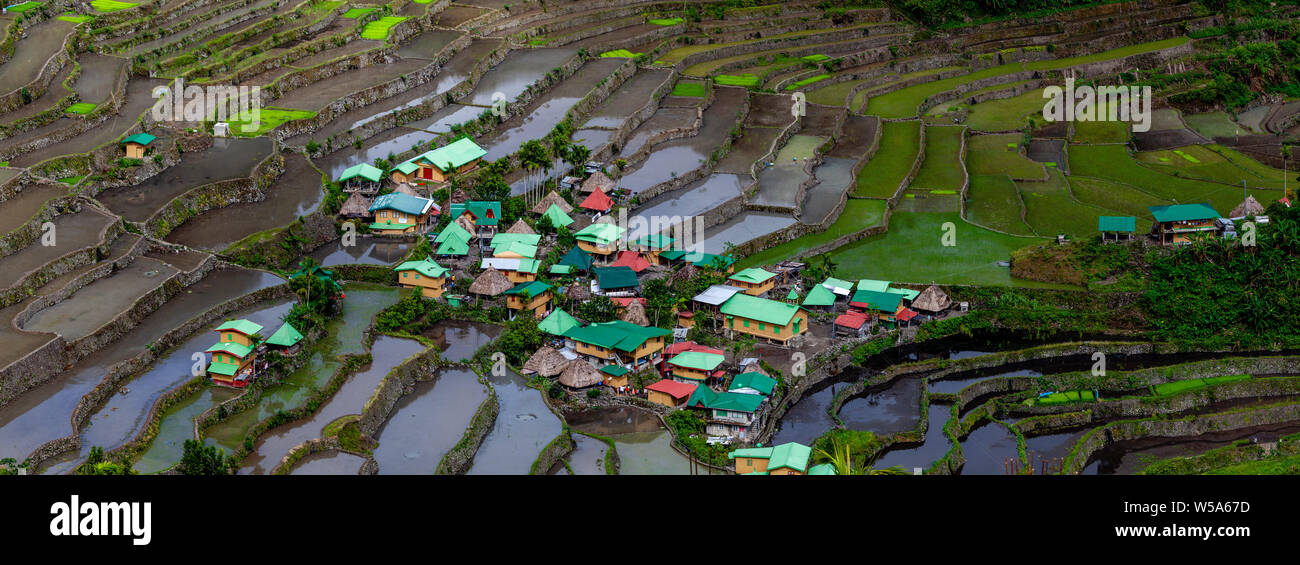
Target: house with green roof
[[286, 340], [729, 414], [137, 146], [557, 217], [577, 258], [1116, 228], [886, 306], [785, 459], [534, 297], [615, 280], [752, 383], [619, 342], [558, 323], [651, 246], [425, 274], [398, 213], [460, 156], [755, 281], [695, 367], [720, 263], [1178, 224], [404, 172], [361, 178], [819, 297], [599, 239], [483, 215], [235, 354], [764, 319], [838, 286]]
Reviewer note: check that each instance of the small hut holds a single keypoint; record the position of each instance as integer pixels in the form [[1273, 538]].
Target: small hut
[[408, 189], [635, 314], [577, 293], [552, 198], [467, 224], [598, 180], [684, 274], [1248, 207], [546, 362], [458, 196], [931, 300], [356, 207], [491, 283], [580, 374], [521, 227]]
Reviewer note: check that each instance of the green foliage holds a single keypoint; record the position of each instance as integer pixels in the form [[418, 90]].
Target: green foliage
[[688, 427], [202, 459], [598, 310]]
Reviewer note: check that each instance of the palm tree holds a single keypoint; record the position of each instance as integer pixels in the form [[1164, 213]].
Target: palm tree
[[842, 460]]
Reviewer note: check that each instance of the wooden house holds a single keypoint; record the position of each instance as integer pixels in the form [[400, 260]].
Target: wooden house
[[426, 275], [552, 198], [1116, 228], [598, 181], [752, 383], [880, 306], [518, 270], [729, 414], [287, 340], [763, 318], [137, 146], [785, 459], [650, 246], [1178, 224], [534, 297], [619, 342], [483, 216], [600, 240], [669, 393], [398, 213], [458, 157], [356, 207], [597, 202], [235, 353], [756, 282], [615, 281], [696, 367]]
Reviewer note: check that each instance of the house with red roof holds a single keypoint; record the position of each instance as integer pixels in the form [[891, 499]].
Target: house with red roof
[[598, 202], [631, 260], [669, 393]]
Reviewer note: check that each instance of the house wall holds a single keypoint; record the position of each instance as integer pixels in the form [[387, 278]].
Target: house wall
[[234, 337], [784, 471], [754, 289], [430, 287], [134, 151], [520, 277], [768, 331], [663, 399], [750, 465], [688, 373]]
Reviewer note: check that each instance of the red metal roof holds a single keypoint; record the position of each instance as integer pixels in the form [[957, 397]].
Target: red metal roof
[[684, 346], [906, 314], [597, 201], [851, 320], [673, 388], [631, 260], [623, 301]]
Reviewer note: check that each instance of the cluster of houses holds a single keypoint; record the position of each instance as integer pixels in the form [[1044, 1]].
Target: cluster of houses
[[785, 459], [1179, 224], [236, 359]]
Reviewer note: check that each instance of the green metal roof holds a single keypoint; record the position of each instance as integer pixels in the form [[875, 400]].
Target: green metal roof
[[698, 360], [141, 138], [402, 202], [761, 309], [242, 326], [1183, 212], [527, 265], [226, 369], [819, 295], [600, 233], [883, 301], [557, 216], [453, 231], [577, 258], [1116, 223], [453, 155], [615, 370], [453, 246], [708, 260], [822, 469], [870, 284], [752, 275], [624, 336], [704, 397], [286, 336], [426, 267], [237, 349], [508, 238], [838, 283], [486, 213], [406, 167], [561, 269], [558, 323], [655, 241], [907, 293], [368, 172], [530, 289], [518, 248], [389, 226], [751, 452], [789, 456], [615, 277], [757, 381]]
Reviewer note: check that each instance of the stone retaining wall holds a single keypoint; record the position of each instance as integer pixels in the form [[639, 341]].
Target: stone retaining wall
[[631, 122], [38, 277], [422, 367], [216, 195]]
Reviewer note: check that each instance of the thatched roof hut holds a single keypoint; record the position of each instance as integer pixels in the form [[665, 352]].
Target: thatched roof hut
[[580, 374], [491, 283], [684, 274], [578, 292], [1248, 207], [635, 314], [931, 300], [552, 197], [356, 206], [546, 362], [464, 222], [458, 196], [521, 227], [598, 180], [407, 189]]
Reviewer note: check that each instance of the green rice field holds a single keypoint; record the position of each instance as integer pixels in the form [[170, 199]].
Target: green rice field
[[941, 168], [992, 155], [858, 214], [379, 29], [900, 143]]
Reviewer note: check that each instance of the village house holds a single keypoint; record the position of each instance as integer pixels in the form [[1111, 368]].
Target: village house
[[878, 306], [1177, 224], [600, 240], [453, 241], [517, 270], [616, 376], [532, 297], [597, 181], [729, 414], [619, 342], [484, 216], [650, 246], [712, 299], [557, 217], [752, 383], [362, 179], [1116, 228], [558, 323], [614, 281], [631, 260], [597, 202], [426, 275], [398, 213], [287, 340], [437, 166], [669, 393], [763, 318], [820, 298], [756, 282], [137, 146], [235, 354], [674, 349], [785, 459], [576, 258], [696, 367]]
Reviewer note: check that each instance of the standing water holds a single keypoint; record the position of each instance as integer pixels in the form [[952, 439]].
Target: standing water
[[524, 426], [428, 422]]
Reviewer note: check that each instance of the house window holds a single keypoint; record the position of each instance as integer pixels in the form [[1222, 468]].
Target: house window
[[747, 323], [776, 329], [761, 326]]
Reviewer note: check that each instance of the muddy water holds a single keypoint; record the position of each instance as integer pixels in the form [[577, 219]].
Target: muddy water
[[19, 209], [834, 176], [524, 426], [138, 100], [388, 352], [74, 231], [987, 448], [935, 446], [295, 194], [177, 427], [778, 184], [541, 116], [696, 198], [594, 139], [329, 463], [98, 76], [954, 386], [519, 69], [427, 44], [53, 94], [649, 453], [43, 40], [452, 115], [631, 96], [458, 340], [343, 336], [662, 120], [1051, 448], [587, 457], [686, 154], [743, 228], [1127, 458], [227, 159], [895, 408], [317, 95], [367, 251], [614, 420], [807, 419], [124, 414], [395, 141], [427, 423], [43, 413], [101, 301]]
